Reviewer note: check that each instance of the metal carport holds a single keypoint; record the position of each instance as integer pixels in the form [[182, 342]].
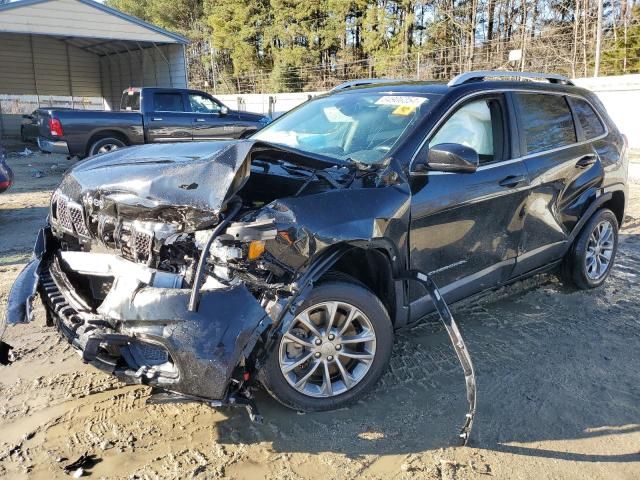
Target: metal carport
[[79, 54]]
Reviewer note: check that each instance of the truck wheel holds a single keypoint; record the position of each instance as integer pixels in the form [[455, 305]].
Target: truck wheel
[[105, 145], [335, 350], [589, 262]]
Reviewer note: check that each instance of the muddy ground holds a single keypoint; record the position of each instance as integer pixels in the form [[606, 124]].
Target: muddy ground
[[558, 386]]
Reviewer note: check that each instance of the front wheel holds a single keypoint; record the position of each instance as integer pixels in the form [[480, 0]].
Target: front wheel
[[590, 260], [333, 352]]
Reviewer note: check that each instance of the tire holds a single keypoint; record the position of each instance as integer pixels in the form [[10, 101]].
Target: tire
[[578, 267], [362, 374], [105, 144], [23, 137]]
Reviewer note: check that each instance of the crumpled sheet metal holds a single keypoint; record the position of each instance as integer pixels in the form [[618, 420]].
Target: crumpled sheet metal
[[458, 345], [206, 345], [19, 305], [152, 178]]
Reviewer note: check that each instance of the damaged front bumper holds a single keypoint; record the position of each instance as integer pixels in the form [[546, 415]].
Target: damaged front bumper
[[142, 331]]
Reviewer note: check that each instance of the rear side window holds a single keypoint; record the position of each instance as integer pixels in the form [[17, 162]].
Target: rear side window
[[168, 102], [546, 121], [591, 125]]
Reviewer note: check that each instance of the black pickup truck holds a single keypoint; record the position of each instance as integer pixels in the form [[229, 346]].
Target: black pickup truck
[[147, 115]]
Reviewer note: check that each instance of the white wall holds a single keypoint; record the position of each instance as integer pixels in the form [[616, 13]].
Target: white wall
[[273, 104], [621, 97]]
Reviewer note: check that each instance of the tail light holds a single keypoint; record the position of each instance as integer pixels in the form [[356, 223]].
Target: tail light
[[4, 185], [55, 127]]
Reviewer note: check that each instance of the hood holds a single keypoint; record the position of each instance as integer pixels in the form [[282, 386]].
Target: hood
[[184, 182], [251, 117]]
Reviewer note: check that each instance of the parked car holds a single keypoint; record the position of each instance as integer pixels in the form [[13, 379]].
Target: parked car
[[6, 174], [147, 115], [288, 257]]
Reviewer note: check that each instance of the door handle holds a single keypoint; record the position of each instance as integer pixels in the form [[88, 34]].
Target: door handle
[[156, 119], [200, 119], [586, 161], [512, 181]]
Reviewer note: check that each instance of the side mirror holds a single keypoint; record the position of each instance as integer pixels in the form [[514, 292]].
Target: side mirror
[[450, 157], [223, 110]]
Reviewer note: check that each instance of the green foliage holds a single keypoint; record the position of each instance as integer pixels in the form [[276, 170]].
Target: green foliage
[[624, 56], [289, 45]]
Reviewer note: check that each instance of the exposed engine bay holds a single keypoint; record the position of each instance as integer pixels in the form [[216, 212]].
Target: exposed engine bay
[[171, 238]]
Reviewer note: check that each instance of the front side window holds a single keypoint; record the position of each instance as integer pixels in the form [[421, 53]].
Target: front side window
[[359, 125], [168, 102], [591, 125], [546, 121], [202, 104], [478, 125]]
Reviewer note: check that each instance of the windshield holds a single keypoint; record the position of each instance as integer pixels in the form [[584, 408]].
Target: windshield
[[359, 126]]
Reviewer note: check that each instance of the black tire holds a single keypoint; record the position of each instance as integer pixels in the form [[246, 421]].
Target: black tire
[[23, 136], [107, 144], [363, 299], [575, 267]]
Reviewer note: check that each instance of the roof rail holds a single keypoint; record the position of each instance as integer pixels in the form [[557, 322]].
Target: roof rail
[[482, 74], [361, 82]]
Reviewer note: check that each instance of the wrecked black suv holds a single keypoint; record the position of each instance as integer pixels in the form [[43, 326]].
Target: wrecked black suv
[[288, 257]]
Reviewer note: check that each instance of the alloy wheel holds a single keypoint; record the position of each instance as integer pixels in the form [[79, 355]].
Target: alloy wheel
[[328, 349], [599, 250], [109, 147]]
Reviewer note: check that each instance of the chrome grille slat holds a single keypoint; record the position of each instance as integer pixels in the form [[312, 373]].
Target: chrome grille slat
[[62, 213], [135, 242], [70, 216], [77, 219], [141, 245]]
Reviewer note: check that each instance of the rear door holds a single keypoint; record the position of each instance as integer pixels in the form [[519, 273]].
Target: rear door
[[466, 227], [170, 120], [564, 167], [209, 121]]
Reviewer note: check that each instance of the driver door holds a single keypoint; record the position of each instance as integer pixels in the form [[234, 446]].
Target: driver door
[[466, 227], [209, 122]]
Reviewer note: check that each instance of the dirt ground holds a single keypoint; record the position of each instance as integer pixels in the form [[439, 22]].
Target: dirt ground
[[558, 389]]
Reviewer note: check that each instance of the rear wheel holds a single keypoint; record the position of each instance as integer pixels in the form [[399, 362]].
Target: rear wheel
[[590, 260], [334, 351], [105, 145]]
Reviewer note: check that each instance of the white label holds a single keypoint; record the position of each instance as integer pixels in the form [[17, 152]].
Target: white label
[[401, 100]]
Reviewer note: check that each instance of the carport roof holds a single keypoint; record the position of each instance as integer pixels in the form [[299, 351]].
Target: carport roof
[[85, 24]]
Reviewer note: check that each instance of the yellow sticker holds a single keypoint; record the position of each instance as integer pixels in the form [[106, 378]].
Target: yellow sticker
[[404, 110]]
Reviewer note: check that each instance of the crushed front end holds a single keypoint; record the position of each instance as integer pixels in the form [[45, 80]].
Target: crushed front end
[[118, 265], [115, 268]]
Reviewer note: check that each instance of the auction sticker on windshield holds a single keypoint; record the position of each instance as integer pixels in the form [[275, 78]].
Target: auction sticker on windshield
[[401, 100], [405, 105]]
